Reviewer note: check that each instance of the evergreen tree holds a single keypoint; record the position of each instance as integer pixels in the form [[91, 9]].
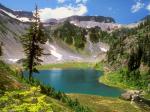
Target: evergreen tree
[[32, 42], [1, 51]]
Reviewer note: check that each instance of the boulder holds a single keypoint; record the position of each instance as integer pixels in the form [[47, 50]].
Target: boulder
[[136, 97], [126, 96], [131, 95]]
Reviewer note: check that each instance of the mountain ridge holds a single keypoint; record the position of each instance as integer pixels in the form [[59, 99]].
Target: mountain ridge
[[29, 15], [60, 50], [17, 13]]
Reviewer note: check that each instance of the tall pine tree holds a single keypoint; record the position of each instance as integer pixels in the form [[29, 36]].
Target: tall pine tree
[[32, 42], [1, 50]]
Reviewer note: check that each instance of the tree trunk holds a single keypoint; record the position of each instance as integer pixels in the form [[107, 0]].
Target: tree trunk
[[30, 76]]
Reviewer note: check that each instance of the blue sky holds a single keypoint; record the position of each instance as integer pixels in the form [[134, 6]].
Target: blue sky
[[123, 11]]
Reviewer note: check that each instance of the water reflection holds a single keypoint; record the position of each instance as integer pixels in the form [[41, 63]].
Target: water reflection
[[84, 81]]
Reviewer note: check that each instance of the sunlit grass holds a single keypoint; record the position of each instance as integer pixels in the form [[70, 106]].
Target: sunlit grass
[[105, 104], [113, 79], [79, 65]]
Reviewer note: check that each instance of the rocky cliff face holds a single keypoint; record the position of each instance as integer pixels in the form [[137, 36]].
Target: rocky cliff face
[[10, 32], [100, 19], [104, 23]]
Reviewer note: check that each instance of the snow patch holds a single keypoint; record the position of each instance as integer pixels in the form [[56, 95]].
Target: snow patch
[[75, 57], [54, 52], [23, 19], [13, 60], [103, 49], [8, 13]]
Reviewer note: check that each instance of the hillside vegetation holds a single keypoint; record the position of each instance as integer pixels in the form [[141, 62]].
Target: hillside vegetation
[[40, 98], [76, 36], [71, 34], [8, 79], [129, 55], [16, 95]]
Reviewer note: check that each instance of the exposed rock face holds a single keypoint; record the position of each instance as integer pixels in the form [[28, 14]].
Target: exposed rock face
[[133, 95], [104, 23], [92, 24], [136, 98], [91, 18], [126, 96], [10, 34]]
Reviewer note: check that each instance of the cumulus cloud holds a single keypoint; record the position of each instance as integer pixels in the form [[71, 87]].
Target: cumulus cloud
[[62, 12], [81, 1], [136, 7], [61, 1], [148, 7]]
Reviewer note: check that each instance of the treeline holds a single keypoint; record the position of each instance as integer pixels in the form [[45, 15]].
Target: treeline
[[74, 104], [71, 34], [76, 36], [97, 35], [130, 52]]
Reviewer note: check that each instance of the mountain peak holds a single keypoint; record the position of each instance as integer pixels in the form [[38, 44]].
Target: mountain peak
[[92, 18], [20, 15]]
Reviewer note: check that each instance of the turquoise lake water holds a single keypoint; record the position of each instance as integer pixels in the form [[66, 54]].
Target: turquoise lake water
[[83, 81]]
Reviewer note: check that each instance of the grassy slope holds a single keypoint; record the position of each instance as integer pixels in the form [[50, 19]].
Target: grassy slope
[[79, 65], [19, 96], [7, 78], [112, 79], [105, 104]]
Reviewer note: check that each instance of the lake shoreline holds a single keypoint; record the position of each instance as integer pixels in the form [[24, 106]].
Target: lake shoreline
[[84, 68], [67, 65]]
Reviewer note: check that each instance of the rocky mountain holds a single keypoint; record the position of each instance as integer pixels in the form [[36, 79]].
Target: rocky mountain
[[100, 19], [81, 21], [104, 23], [17, 13], [76, 38], [23, 16], [12, 27], [10, 32]]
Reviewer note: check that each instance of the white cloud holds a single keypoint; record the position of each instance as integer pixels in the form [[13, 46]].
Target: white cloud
[[136, 7], [62, 12], [81, 1], [148, 7], [61, 1]]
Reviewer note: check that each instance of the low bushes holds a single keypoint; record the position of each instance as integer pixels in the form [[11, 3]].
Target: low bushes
[[74, 104]]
